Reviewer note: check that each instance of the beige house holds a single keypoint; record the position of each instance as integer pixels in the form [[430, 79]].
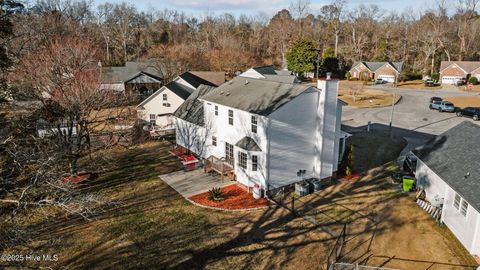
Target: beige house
[[387, 71], [158, 108], [452, 71]]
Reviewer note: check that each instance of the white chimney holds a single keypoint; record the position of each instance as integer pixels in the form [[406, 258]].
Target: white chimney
[[327, 128]]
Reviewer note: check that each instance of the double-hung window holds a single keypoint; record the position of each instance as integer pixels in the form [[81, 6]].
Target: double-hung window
[[254, 163], [230, 117], [460, 204], [153, 119], [216, 110], [242, 160], [254, 124], [214, 141], [165, 98]]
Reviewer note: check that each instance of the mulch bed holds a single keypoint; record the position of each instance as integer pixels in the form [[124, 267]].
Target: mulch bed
[[235, 198]]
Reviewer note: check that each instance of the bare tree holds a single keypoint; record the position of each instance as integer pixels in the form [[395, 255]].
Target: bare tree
[[333, 15]]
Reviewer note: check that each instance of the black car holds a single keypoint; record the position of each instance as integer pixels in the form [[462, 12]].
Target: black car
[[473, 112], [433, 99]]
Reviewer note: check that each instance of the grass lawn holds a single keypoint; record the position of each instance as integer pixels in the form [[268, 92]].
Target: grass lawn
[[150, 226], [367, 98], [462, 102]]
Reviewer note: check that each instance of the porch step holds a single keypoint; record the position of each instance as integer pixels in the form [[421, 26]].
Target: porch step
[[435, 212]]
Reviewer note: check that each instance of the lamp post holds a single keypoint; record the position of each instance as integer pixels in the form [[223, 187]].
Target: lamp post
[[393, 105]]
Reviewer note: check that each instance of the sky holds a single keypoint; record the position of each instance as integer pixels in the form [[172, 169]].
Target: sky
[[270, 7]]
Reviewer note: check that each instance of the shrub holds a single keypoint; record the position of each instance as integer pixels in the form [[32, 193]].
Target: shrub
[[216, 195], [348, 75], [473, 80], [435, 77]]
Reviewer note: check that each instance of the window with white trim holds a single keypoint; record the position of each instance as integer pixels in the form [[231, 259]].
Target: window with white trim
[[254, 124], [153, 119], [254, 163], [242, 160], [214, 141], [216, 109], [230, 117], [464, 208], [165, 97], [456, 201]]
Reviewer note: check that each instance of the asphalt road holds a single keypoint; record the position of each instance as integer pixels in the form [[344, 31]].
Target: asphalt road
[[412, 119]]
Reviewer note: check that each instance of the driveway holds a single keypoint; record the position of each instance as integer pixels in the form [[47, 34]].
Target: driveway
[[412, 119], [193, 182]]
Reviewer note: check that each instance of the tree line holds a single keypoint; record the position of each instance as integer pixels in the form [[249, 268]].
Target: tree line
[[231, 43]]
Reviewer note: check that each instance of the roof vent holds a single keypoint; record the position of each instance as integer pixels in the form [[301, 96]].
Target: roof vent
[[227, 94], [221, 92], [230, 82], [246, 82]]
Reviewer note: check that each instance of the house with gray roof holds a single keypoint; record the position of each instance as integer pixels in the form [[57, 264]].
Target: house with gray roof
[[452, 71], [387, 71], [269, 73], [159, 107], [448, 171], [141, 78], [263, 132]]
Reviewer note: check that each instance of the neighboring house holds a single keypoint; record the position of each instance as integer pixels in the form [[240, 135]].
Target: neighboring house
[[159, 107], [46, 129], [139, 78], [387, 71], [448, 171], [452, 71], [270, 73], [267, 131]]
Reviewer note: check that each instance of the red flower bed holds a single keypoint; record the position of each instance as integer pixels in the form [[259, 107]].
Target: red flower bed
[[235, 197]]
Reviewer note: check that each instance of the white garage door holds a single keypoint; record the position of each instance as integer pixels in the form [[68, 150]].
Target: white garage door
[[388, 78], [450, 79]]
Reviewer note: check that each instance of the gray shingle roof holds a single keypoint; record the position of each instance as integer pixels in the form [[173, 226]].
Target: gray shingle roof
[[453, 154], [258, 96], [373, 66], [131, 70], [266, 70], [248, 143], [192, 109]]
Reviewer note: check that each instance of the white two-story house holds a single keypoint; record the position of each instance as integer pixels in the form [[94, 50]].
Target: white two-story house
[[158, 108], [267, 131]]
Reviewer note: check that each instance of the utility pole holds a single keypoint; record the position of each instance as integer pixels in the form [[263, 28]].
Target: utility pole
[[393, 106]]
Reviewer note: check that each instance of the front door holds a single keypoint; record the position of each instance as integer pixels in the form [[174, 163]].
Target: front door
[[229, 154]]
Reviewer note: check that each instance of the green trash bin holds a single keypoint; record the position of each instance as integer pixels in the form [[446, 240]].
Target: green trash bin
[[408, 183]]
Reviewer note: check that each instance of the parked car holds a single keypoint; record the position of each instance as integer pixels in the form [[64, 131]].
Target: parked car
[[460, 82], [429, 83], [380, 81], [432, 99], [473, 112], [442, 106]]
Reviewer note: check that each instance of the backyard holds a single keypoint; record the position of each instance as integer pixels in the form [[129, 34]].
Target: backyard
[[148, 225]]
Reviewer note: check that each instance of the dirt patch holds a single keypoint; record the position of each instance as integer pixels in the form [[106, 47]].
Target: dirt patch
[[234, 196], [462, 102]]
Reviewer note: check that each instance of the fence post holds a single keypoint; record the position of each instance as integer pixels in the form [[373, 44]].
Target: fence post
[[293, 205]]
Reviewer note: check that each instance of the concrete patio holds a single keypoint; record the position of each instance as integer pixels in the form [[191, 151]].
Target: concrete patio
[[193, 182]]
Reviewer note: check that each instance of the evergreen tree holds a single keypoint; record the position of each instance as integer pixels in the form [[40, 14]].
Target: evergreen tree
[[302, 56]]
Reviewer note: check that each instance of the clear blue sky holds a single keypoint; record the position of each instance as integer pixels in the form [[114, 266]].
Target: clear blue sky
[[195, 7]]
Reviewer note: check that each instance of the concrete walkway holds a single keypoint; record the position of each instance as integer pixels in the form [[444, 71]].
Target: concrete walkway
[[194, 182]]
